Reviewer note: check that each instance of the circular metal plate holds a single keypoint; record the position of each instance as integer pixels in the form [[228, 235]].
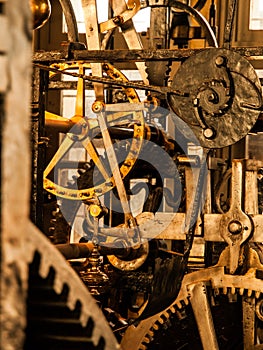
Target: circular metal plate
[[224, 96]]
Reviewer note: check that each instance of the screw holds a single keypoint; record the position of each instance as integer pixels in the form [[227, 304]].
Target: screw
[[220, 61], [209, 133]]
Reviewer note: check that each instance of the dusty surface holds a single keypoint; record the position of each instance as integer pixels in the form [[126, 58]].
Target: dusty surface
[[15, 89]]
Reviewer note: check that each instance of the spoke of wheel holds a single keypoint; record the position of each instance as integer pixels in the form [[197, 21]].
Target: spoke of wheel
[[80, 111], [88, 145], [66, 144], [129, 219], [203, 317]]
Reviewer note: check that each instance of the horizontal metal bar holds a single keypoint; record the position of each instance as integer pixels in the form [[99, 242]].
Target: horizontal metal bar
[[132, 55]]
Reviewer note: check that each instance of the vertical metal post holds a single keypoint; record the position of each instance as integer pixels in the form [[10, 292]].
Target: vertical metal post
[[248, 322], [37, 148]]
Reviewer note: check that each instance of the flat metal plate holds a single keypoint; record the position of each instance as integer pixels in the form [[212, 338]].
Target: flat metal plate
[[240, 94]]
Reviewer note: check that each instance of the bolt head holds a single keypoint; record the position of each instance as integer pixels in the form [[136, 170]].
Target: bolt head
[[196, 102], [235, 227], [98, 106], [209, 133], [220, 61]]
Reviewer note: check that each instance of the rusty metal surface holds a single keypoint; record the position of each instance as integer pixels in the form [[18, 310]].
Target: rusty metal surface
[[209, 34], [132, 55], [47, 261], [243, 207], [224, 96], [38, 146], [203, 315], [67, 8], [232, 4], [215, 278], [130, 35], [219, 97]]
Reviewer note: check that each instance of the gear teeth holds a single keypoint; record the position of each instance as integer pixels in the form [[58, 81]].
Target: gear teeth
[[179, 305], [166, 314], [155, 327], [257, 294], [172, 309], [58, 285], [186, 301], [167, 78], [142, 347], [249, 292], [150, 333], [216, 291], [146, 339], [241, 291], [161, 320]]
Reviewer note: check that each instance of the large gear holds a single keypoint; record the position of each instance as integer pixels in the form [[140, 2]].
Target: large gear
[[54, 286], [215, 278]]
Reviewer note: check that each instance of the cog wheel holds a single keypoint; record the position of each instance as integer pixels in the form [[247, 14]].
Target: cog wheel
[[196, 288], [58, 301]]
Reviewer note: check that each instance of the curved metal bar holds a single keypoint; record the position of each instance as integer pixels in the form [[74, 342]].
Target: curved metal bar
[[199, 18], [200, 4], [73, 35]]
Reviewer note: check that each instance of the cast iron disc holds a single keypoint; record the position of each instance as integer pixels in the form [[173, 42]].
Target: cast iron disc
[[223, 96]]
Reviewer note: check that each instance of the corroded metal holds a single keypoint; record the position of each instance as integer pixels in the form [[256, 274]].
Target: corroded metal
[[224, 96], [210, 36], [133, 55], [229, 24], [244, 212], [131, 36], [236, 226], [139, 335], [38, 147], [113, 82], [224, 103], [121, 17], [83, 134], [71, 21]]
